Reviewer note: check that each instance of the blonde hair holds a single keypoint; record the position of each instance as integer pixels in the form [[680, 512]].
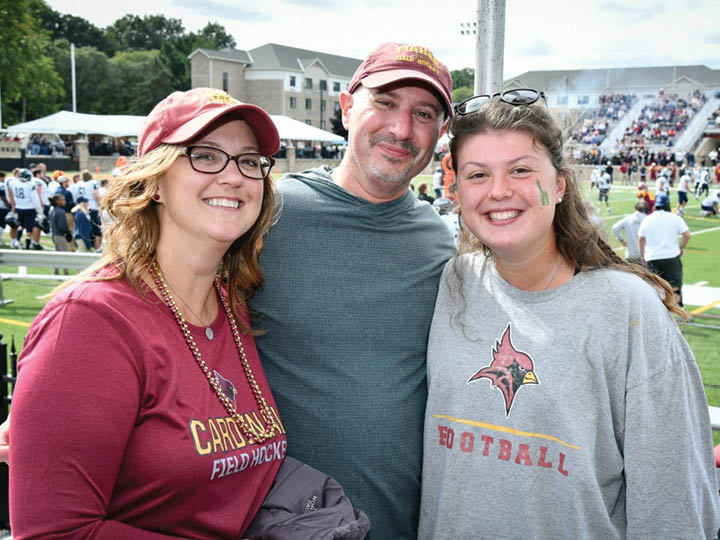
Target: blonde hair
[[582, 244], [134, 230]]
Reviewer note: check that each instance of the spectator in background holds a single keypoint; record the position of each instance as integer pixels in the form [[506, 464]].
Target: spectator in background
[[658, 241], [422, 193], [63, 190], [91, 191], [713, 155], [438, 182], [83, 225], [448, 176], [626, 231], [61, 233]]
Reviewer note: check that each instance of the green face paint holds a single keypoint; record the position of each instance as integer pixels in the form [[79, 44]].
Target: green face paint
[[544, 200]]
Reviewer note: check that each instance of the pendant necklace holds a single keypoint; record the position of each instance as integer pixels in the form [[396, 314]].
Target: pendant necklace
[[552, 275], [209, 334], [256, 432]]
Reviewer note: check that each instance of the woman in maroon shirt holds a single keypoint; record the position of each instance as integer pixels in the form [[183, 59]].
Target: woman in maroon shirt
[[141, 409]]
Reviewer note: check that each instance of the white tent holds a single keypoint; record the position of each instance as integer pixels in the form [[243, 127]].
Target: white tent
[[294, 130], [68, 123]]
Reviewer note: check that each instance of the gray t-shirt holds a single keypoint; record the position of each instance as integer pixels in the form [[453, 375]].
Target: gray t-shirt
[[573, 413], [348, 299]]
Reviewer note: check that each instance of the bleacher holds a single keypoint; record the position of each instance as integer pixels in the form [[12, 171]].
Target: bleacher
[[661, 122], [598, 123]]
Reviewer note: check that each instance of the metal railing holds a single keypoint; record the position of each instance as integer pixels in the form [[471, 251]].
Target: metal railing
[[41, 259]]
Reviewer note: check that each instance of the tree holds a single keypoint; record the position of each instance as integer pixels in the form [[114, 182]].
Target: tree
[[74, 29], [91, 75], [137, 81], [30, 86], [214, 36], [463, 77], [337, 124], [175, 50], [133, 33], [462, 93], [152, 89]]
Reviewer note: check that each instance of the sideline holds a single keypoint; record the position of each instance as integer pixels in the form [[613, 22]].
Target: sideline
[[15, 323], [705, 308]]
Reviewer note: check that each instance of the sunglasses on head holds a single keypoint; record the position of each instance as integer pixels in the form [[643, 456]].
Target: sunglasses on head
[[520, 96]]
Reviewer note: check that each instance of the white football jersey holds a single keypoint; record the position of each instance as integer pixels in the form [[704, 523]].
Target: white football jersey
[[25, 193]]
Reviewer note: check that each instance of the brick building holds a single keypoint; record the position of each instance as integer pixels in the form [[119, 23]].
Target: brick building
[[302, 84]]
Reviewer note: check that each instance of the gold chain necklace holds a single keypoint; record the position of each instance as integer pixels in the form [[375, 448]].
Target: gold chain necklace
[[268, 430]]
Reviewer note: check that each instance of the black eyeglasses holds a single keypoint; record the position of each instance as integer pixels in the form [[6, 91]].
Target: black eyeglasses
[[209, 160], [520, 96]]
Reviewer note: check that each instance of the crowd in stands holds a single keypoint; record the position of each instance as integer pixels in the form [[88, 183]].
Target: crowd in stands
[[662, 121], [601, 121], [714, 118], [110, 146], [48, 146]]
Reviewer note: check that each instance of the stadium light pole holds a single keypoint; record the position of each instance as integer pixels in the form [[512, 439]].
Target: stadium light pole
[[489, 32], [72, 69], [490, 46]]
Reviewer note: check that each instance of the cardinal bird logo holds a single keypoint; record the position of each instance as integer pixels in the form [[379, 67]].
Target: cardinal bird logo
[[226, 386], [509, 369]]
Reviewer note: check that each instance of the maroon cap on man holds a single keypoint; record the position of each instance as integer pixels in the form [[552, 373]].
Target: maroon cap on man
[[392, 62], [182, 116]]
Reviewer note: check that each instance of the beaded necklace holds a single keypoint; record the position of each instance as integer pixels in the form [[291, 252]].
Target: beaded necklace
[[268, 430]]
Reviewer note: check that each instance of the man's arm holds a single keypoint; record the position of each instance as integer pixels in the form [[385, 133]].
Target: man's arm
[[617, 229], [11, 197], [641, 245], [684, 241]]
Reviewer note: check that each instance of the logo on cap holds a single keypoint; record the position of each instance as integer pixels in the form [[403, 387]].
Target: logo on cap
[[417, 54]]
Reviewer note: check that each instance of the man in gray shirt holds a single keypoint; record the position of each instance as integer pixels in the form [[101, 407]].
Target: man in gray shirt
[[351, 273]]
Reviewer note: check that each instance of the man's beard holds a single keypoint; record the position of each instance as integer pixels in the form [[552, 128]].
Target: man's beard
[[389, 176]]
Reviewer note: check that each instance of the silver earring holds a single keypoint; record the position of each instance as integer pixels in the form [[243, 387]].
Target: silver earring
[[559, 199]]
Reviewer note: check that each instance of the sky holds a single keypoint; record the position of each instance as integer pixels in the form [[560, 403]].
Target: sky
[[539, 35]]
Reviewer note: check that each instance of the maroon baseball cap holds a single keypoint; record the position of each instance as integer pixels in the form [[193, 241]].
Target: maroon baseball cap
[[182, 116], [392, 62]]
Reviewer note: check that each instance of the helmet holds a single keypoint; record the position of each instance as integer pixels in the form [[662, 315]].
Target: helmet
[[25, 175], [661, 200], [12, 220], [642, 186], [43, 222]]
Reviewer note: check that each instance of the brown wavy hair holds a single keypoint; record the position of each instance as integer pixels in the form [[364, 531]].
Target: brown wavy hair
[[582, 244], [134, 230]]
